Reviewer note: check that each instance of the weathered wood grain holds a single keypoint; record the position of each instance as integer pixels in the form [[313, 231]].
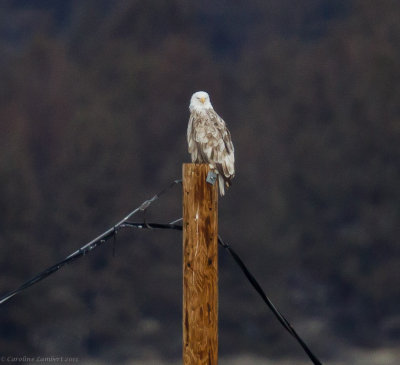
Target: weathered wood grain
[[200, 267]]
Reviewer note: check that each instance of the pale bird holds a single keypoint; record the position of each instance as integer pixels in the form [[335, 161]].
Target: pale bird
[[209, 139]]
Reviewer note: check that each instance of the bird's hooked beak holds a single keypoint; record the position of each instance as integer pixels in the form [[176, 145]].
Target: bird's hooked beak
[[203, 100]]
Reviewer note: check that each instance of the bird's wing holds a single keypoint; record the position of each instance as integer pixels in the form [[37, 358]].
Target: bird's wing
[[223, 147], [192, 147], [210, 142]]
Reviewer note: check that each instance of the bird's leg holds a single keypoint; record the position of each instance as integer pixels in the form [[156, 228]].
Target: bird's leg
[[211, 177]]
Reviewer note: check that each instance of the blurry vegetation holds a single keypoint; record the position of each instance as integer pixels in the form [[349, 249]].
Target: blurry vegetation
[[93, 115]]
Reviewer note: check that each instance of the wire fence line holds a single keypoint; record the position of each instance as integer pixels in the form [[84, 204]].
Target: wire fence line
[[250, 277], [96, 242], [126, 223]]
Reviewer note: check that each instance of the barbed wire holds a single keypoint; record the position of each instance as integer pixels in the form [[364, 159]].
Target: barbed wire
[[96, 242], [111, 233], [281, 318], [250, 277]]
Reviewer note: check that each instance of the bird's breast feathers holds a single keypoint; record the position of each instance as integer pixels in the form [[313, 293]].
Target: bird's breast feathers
[[207, 132]]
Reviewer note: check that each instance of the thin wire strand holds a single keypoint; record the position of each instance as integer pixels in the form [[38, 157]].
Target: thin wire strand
[[172, 225], [250, 277], [99, 240]]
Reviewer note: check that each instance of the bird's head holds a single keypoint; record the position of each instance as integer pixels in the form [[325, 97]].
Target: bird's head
[[200, 100]]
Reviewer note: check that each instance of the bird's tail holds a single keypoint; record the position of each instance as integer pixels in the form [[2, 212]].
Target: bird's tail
[[221, 185]]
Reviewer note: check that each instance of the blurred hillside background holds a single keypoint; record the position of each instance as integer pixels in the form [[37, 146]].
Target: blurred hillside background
[[93, 117]]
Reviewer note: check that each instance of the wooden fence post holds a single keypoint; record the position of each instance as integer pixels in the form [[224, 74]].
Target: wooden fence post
[[200, 267]]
